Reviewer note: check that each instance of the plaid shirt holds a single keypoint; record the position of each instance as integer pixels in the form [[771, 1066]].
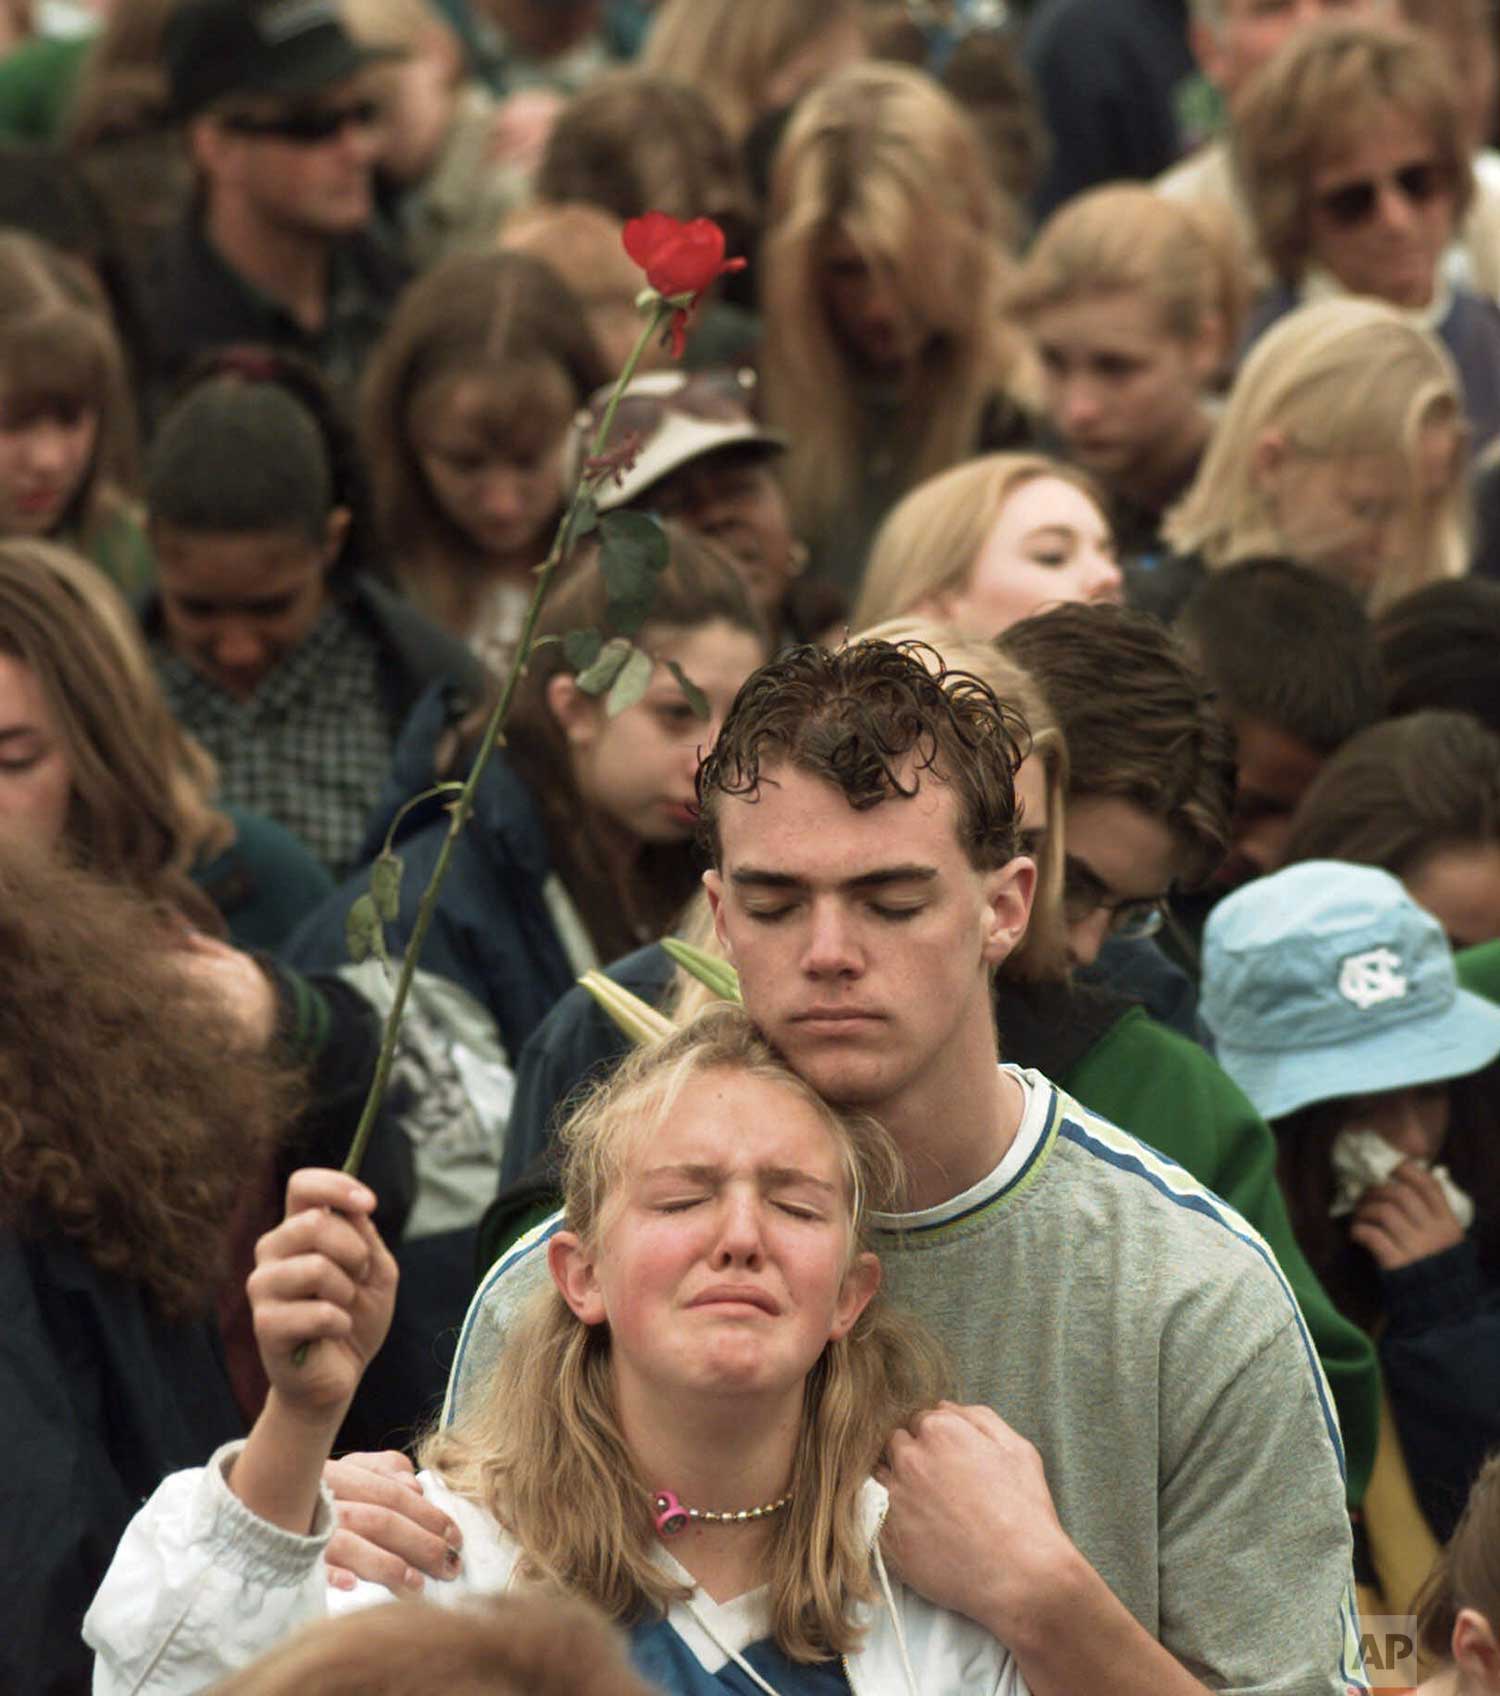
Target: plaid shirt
[[311, 748]]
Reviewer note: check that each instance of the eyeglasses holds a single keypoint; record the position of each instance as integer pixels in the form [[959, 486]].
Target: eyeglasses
[[308, 126], [1084, 895], [1354, 203]]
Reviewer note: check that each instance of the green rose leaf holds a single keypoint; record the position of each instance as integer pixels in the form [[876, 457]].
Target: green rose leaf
[[632, 557], [696, 699], [581, 648], [631, 684], [601, 675], [385, 885], [362, 930]]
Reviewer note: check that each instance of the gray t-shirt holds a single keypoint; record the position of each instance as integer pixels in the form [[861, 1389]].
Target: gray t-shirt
[[1140, 1334]]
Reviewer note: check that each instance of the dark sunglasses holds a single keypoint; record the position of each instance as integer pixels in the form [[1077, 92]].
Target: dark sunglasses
[[308, 126], [1354, 203]]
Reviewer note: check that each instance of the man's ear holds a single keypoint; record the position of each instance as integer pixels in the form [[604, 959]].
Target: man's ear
[[572, 1270], [1008, 893], [713, 886], [211, 146], [860, 1284], [335, 534], [1476, 1651]]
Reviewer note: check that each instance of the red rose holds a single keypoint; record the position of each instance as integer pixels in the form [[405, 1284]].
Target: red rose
[[678, 258]]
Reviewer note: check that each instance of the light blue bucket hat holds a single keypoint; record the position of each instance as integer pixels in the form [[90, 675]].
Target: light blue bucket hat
[[1327, 980]]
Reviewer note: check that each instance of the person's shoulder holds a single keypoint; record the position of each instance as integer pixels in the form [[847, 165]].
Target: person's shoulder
[[423, 648], [1203, 175], [504, 1289], [1126, 1177]]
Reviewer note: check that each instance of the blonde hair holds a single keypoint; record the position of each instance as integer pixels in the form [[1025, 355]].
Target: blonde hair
[[544, 1451], [1126, 238], [1320, 92], [142, 811], [931, 539], [732, 52], [880, 153], [1337, 378]]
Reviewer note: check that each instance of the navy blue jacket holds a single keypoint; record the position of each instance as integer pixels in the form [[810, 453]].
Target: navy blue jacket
[[492, 933], [1440, 1352]]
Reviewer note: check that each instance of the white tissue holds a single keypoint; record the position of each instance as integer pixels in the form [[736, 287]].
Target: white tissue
[[1364, 1158]]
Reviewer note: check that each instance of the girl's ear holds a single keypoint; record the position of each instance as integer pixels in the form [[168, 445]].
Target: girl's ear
[[577, 714], [335, 533], [1476, 1652], [860, 1284], [572, 1270], [1267, 457]]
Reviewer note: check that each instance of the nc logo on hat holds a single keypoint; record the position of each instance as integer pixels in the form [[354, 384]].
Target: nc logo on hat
[[1370, 978]]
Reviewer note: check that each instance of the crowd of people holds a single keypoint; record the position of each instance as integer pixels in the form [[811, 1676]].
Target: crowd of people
[[1051, 1241]]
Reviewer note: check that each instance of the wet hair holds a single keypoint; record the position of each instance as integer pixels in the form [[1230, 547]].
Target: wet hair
[[544, 1450], [1400, 792], [532, 1645], [240, 458], [131, 1114], [1042, 954], [1326, 85], [872, 719], [1288, 645], [59, 357], [1467, 1573], [634, 142], [1441, 648], [1140, 723]]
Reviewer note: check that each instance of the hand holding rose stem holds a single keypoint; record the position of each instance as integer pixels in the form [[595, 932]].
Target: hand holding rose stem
[[680, 261]]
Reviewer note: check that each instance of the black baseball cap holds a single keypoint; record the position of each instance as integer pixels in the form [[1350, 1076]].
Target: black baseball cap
[[289, 48]]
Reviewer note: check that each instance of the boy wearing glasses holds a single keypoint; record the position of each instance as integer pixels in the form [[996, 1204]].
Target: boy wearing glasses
[[277, 249], [1151, 768]]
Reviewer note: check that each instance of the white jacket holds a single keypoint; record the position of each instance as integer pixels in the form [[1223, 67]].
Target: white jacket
[[200, 1586]]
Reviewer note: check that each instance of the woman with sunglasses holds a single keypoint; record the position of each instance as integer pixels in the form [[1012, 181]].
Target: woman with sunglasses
[[1351, 144]]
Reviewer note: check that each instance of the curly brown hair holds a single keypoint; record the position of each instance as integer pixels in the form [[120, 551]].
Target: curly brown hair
[[870, 718], [130, 1114]]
